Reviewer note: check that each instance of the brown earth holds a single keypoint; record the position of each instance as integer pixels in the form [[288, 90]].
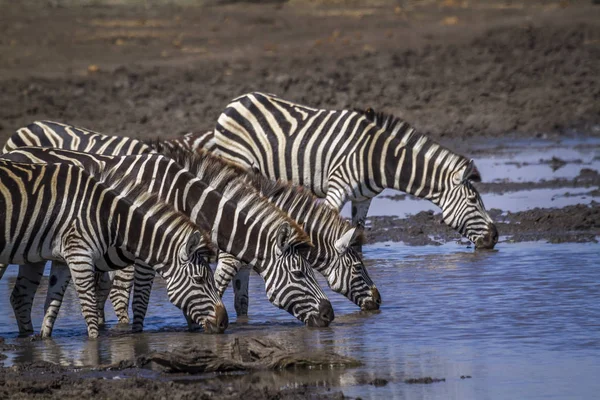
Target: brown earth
[[456, 69]]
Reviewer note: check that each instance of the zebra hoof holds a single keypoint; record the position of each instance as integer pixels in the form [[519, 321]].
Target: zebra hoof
[[92, 333], [25, 333], [137, 328]]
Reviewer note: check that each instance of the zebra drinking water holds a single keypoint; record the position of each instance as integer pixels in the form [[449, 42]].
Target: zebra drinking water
[[350, 156], [330, 234], [254, 230], [60, 212]]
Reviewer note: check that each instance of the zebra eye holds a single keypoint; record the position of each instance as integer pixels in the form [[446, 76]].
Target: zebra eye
[[298, 273], [199, 279], [356, 268], [472, 199]]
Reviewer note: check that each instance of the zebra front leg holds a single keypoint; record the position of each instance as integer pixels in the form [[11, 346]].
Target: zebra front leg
[[240, 291], [227, 268], [23, 293], [3, 268], [60, 276], [360, 209], [143, 277], [120, 293], [103, 285]]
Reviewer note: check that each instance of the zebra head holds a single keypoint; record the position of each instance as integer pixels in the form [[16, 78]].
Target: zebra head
[[291, 283], [347, 275], [192, 286], [463, 209]]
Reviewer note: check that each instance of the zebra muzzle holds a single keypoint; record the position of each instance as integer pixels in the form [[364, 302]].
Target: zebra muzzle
[[374, 302], [324, 317], [489, 239], [220, 322]]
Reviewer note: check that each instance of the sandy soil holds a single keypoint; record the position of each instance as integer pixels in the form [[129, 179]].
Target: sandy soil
[[454, 69]]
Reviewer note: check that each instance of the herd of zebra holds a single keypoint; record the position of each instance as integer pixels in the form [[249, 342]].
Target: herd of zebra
[[110, 212]]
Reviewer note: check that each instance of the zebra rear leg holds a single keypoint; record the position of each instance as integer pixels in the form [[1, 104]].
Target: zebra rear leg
[[121, 292], [82, 272], [103, 285], [360, 209], [60, 276], [21, 298], [143, 277]]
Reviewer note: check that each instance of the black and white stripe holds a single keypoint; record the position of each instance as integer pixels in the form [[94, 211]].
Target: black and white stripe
[[240, 220], [60, 212], [351, 156], [330, 234]]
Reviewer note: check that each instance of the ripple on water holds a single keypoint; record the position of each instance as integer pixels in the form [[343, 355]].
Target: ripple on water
[[523, 321]]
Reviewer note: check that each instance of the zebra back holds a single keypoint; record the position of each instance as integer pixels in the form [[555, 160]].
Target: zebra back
[[63, 136]]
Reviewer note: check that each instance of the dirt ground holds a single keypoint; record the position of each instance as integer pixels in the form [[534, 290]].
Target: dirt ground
[[456, 69]]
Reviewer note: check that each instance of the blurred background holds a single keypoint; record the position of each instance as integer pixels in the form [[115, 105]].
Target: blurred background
[[453, 68]]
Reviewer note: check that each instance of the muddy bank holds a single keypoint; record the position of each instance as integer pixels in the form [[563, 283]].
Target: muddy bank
[[578, 223], [46, 382], [454, 70], [177, 374]]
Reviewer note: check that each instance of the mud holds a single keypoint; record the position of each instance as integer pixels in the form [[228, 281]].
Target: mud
[[47, 380], [579, 223], [454, 69], [242, 355], [459, 71]]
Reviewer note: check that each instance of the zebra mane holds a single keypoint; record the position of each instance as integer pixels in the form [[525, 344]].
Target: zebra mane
[[393, 124], [315, 213], [137, 195], [230, 179]]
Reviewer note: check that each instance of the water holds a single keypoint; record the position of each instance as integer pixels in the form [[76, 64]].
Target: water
[[520, 161], [523, 321]]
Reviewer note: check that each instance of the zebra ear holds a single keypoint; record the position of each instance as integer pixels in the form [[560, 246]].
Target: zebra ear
[[471, 173], [342, 244], [283, 237], [193, 243]]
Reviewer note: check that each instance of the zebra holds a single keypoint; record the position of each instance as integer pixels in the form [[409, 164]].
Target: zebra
[[342, 267], [59, 135], [331, 235], [63, 213], [351, 156], [63, 136], [257, 232]]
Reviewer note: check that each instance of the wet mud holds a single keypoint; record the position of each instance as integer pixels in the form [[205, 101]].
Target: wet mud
[[462, 72]]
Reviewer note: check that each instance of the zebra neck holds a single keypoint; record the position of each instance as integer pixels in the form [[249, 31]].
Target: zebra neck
[[322, 224], [148, 230], [417, 165]]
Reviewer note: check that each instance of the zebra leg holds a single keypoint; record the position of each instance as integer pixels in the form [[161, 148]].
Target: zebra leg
[[3, 268], [143, 277], [103, 284], [82, 272], [60, 276], [240, 290], [227, 267], [120, 293], [23, 293], [360, 210]]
